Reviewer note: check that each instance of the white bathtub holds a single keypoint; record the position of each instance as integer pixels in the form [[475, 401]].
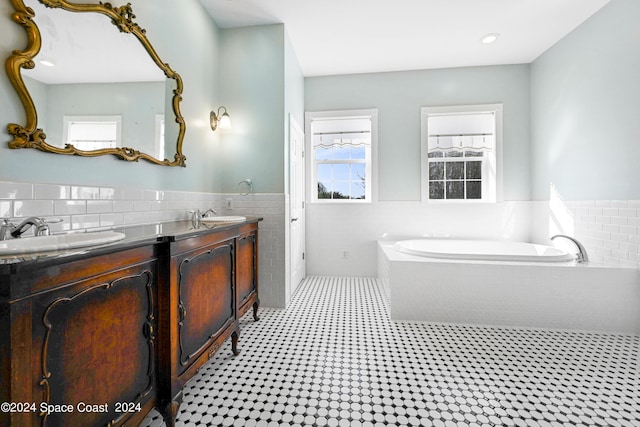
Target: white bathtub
[[449, 283], [486, 250]]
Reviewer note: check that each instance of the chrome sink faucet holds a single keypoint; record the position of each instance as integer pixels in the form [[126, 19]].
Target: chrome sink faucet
[[9, 230], [581, 256], [206, 213], [197, 214], [40, 224]]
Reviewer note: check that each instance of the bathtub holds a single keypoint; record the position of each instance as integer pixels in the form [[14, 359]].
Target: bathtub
[[505, 284], [487, 250]]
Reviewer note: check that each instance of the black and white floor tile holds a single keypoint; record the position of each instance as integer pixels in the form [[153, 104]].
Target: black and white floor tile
[[333, 358]]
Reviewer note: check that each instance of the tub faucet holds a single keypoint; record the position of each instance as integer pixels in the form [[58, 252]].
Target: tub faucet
[[42, 228], [581, 256]]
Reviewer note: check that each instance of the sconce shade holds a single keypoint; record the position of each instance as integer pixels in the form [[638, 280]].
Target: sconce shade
[[221, 119]]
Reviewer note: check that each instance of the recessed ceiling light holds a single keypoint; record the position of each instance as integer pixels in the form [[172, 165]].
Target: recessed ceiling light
[[490, 38], [47, 63]]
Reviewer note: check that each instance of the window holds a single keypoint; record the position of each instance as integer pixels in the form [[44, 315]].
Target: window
[[92, 132], [461, 153], [342, 151]]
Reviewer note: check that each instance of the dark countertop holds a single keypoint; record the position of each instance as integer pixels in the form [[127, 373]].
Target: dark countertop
[[136, 236]]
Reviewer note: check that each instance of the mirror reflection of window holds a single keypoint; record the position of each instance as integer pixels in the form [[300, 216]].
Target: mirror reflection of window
[[93, 132]]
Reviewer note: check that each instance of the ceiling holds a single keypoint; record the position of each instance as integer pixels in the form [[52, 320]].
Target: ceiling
[[88, 48], [362, 36]]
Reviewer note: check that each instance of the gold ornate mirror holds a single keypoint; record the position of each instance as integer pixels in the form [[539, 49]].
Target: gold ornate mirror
[[98, 89]]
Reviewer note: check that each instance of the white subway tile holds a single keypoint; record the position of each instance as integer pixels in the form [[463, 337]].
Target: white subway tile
[[25, 208], [141, 206], [629, 212], [70, 207], [132, 194], [6, 208], [153, 195], [85, 221], [50, 191], [618, 203], [99, 206], [595, 211], [79, 192], [122, 205], [619, 220], [111, 219], [619, 237], [16, 191]]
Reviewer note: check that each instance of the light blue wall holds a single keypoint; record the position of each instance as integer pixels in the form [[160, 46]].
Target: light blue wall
[[294, 85], [293, 99], [253, 90], [185, 38], [398, 97], [585, 111]]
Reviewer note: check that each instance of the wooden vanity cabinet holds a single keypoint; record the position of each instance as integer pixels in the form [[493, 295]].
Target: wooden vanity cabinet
[[247, 270], [198, 310], [79, 339], [122, 330]]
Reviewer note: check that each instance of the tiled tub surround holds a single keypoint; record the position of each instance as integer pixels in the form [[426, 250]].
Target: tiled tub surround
[[341, 239], [97, 208], [564, 295]]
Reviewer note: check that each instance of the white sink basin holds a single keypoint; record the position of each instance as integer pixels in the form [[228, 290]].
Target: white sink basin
[[57, 242], [222, 218]]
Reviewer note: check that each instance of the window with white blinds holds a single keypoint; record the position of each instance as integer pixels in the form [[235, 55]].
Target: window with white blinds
[[341, 149], [461, 152]]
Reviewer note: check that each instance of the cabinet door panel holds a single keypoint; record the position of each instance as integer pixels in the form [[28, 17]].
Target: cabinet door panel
[[206, 296], [97, 347], [246, 268]]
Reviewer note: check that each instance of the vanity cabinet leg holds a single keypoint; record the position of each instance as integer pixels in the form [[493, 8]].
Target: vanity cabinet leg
[[234, 343], [255, 310], [170, 411]]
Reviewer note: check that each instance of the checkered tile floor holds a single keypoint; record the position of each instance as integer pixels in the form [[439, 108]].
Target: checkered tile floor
[[333, 358]]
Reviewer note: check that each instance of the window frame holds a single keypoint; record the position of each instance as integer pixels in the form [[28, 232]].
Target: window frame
[[492, 188], [370, 161]]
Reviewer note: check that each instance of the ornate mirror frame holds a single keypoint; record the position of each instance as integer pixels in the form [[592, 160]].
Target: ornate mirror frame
[[29, 136]]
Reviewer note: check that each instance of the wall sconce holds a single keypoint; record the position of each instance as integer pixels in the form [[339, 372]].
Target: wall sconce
[[221, 119]]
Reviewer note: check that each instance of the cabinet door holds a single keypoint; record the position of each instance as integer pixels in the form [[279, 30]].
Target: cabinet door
[[94, 347], [246, 276], [206, 296]]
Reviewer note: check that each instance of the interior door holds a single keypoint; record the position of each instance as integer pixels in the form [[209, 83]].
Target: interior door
[[296, 204]]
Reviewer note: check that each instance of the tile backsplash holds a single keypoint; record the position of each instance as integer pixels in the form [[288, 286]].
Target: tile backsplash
[[88, 208], [84, 208]]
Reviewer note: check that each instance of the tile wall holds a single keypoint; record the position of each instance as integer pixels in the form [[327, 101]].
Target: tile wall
[[609, 229], [96, 208]]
